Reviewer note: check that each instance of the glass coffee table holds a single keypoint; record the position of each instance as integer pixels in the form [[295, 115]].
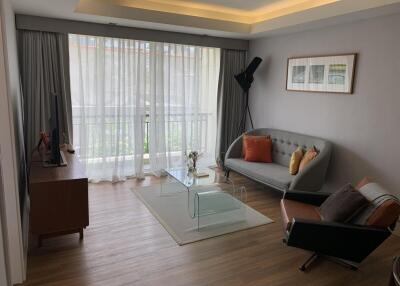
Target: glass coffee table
[[206, 195]]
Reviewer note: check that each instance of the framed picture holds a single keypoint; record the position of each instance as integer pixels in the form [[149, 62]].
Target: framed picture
[[321, 73]]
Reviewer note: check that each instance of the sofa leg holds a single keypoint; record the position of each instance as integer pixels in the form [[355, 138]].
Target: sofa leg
[[304, 267]]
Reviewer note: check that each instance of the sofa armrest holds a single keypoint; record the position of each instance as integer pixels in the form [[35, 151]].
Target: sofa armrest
[[235, 150], [313, 198], [336, 239], [312, 177]]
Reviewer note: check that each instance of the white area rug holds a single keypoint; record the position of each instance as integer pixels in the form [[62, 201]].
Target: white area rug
[[169, 204]]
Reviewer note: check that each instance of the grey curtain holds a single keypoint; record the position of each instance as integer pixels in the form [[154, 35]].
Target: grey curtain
[[231, 100], [44, 68]]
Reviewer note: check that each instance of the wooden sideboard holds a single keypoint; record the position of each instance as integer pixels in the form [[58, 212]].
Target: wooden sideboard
[[59, 198]]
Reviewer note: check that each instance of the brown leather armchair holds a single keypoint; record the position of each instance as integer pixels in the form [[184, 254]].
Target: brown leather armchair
[[346, 243]]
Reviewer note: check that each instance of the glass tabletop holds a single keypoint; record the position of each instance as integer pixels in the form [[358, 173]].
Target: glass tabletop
[[189, 180]]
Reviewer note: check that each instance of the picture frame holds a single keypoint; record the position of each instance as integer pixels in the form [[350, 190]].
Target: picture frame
[[326, 73]]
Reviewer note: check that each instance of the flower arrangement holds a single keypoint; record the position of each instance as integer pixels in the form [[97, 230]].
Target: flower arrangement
[[191, 161]]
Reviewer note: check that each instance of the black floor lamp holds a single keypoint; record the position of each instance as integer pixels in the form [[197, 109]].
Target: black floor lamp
[[245, 79]]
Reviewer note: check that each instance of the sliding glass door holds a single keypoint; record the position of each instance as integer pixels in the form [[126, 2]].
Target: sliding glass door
[[139, 104]]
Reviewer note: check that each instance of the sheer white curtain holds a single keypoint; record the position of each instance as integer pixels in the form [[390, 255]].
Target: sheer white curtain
[[140, 104], [183, 104], [108, 106]]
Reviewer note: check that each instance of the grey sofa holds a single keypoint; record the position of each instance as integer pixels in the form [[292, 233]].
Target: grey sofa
[[276, 174]]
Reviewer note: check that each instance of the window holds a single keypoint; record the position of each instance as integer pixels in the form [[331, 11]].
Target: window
[[140, 103]]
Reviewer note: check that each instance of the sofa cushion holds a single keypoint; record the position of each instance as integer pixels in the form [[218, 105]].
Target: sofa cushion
[[284, 143], [310, 154], [270, 174], [342, 205], [251, 137], [295, 161], [293, 209], [258, 149]]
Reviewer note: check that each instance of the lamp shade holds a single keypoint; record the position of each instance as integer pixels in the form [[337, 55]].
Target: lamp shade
[[246, 78]]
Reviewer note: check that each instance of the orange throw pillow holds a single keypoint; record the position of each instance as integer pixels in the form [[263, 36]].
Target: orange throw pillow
[[251, 137], [308, 157], [258, 149]]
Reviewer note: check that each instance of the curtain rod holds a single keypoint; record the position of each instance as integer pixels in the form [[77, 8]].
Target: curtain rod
[[36, 23]]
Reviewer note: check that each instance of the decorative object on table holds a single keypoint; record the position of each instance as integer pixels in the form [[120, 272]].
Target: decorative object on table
[[333, 73], [68, 146], [245, 79], [200, 174], [191, 161]]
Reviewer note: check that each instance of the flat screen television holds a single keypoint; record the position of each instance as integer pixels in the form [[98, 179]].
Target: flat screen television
[[55, 156]]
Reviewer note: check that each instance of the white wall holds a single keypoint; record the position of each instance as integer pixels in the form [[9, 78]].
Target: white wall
[[364, 126]]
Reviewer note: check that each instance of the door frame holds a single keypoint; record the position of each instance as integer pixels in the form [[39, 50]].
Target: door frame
[[4, 272]]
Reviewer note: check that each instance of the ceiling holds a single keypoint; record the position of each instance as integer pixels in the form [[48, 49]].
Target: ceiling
[[245, 19], [237, 4]]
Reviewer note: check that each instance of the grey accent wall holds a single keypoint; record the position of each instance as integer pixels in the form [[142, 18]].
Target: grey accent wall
[[364, 126], [35, 23]]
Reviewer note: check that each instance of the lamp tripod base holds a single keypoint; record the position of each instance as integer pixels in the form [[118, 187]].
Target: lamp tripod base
[[242, 123]]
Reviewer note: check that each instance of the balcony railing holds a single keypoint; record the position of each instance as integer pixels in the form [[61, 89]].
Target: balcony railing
[[182, 132], [191, 128]]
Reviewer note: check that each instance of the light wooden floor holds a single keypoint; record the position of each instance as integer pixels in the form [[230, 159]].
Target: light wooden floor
[[125, 245]]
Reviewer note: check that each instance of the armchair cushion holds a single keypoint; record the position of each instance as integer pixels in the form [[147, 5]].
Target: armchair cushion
[[294, 209], [342, 205]]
